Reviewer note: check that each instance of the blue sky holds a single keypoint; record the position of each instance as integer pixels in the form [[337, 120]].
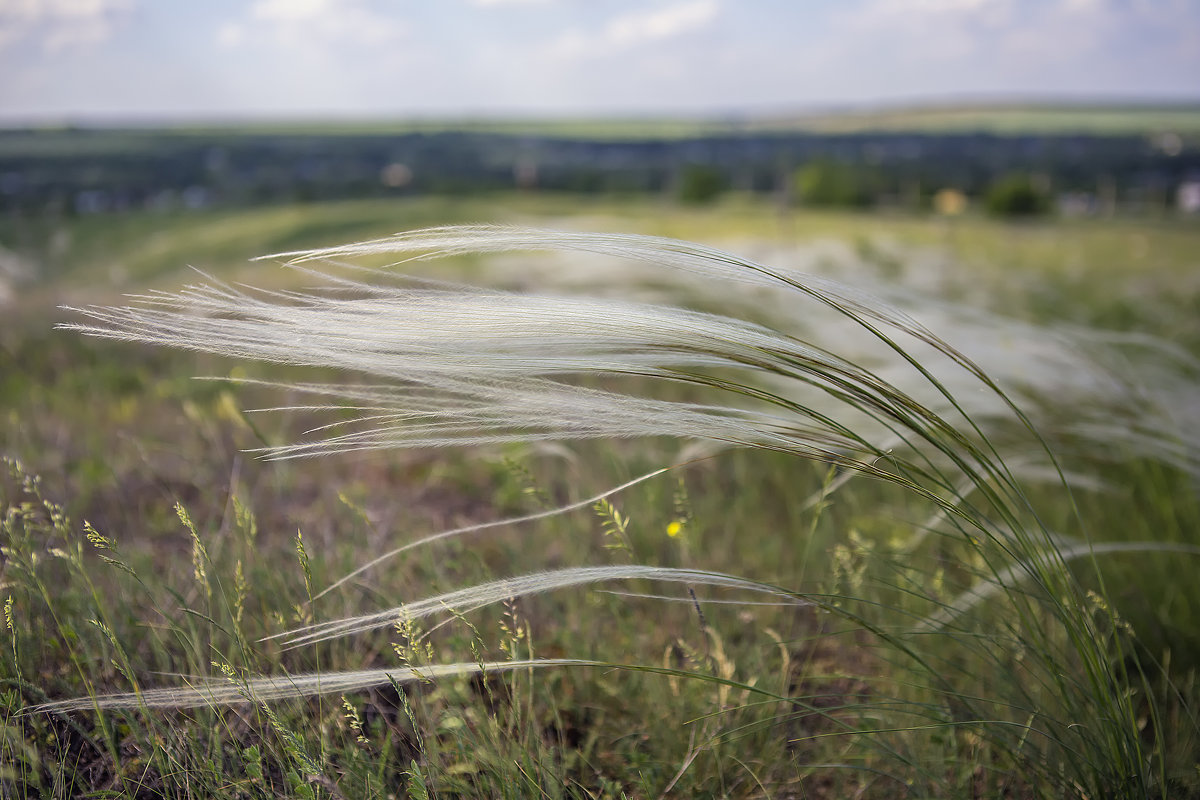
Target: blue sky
[[86, 60]]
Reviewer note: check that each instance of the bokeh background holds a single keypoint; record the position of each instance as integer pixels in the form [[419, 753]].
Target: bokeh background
[[1022, 176]]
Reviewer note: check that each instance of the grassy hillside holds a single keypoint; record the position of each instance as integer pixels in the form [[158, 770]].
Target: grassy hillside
[[999, 118], [1013, 118]]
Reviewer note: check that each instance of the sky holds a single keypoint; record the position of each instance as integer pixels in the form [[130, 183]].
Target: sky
[[111, 60]]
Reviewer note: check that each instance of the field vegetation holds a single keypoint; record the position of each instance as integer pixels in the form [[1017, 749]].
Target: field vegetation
[[907, 506], [1083, 161]]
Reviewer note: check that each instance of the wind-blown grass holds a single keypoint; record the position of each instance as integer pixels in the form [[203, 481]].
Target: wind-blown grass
[[472, 366], [474, 597], [231, 691], [969, 433]]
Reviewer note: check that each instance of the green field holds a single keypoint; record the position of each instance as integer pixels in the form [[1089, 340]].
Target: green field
[[1012, 119], [1003, 610], [995, 118]]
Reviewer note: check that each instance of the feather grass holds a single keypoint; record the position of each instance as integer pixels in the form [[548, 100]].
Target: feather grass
[[875, 392], [225, 691], [464, 600], [1002, 582]]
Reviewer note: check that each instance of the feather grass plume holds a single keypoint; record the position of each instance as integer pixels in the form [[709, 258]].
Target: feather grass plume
[[448, 366], [471, 598], [816, 369], [845, 376], [231, 691], [467, 368]]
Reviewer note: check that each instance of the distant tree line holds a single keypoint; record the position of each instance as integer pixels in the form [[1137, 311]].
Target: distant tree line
[[83, 171]]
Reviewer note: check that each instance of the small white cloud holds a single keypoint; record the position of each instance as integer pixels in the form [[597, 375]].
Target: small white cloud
[[648, 26], [231, 34], [311, 23], [57, 24], [631, 30], [288, 11], [487, 3], [925, 14], [1007, 46]]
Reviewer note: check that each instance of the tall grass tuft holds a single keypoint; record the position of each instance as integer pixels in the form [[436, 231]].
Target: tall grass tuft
[[811, 368]]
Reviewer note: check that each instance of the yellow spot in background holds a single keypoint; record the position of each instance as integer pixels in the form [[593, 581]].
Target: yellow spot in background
[[674, 529], [950, 202], [227, 409], [126, 410]]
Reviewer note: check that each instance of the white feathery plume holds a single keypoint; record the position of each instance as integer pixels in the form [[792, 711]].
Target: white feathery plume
[[474, 597], [227, 691], [826, 371], [469, 368], [1085, 390]]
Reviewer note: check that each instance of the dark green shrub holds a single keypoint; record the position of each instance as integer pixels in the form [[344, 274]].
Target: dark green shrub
[[828, 183], [1016, 196], [699, 184]]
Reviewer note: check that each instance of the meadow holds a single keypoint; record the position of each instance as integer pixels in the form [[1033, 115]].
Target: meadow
[[907, 506]]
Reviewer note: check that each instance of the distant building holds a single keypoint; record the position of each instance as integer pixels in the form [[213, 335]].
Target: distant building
[[1077, 204], [195, 198], [525, 172], [14, 270], [1187, 198], [92, 201], [949, 202], [396, 175]]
